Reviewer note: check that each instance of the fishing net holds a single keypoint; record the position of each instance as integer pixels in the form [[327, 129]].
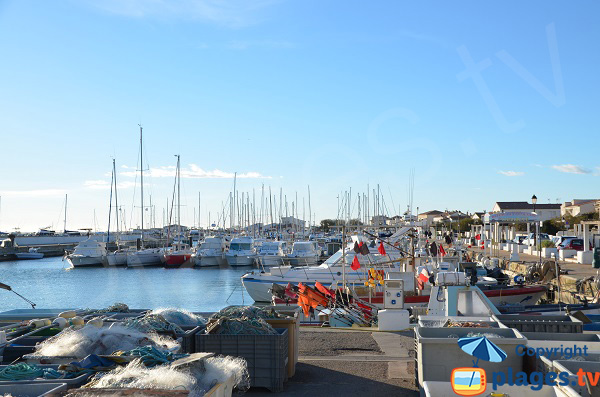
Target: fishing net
[[24, 371], [244, 326], [197, 381], [486, 334], [247, 311], [101, 341], [180, 317], [136, 375], [152, 323], [116, 308]]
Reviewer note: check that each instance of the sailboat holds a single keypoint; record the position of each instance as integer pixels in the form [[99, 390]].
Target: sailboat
[[145, 256], [118, 257], [179, 253]]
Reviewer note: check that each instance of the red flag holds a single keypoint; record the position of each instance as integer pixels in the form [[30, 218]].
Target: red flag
[[381, 249], [355, 264], [423, 278], [478, 237], [442, 252]]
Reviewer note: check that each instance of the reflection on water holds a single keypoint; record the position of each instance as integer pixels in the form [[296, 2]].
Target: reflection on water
[[50, 283]]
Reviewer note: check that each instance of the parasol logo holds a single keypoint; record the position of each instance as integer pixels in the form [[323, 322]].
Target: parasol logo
[[472, 381]]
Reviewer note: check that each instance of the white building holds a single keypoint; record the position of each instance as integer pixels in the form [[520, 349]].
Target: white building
[[578, 207], [545, 211], [429, 216]]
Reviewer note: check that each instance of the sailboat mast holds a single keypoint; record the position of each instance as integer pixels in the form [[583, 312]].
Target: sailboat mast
[[142, 186], [116, 201], [178, 200], [65, 224]]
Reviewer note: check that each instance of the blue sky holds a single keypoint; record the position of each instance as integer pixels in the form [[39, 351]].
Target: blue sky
[[328, 94]]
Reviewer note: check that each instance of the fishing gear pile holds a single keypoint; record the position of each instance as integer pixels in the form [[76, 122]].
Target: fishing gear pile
[[152, 323], [265, 313], [196, 380], [24, 371], [101, 341], [180, 317], [115, 308]]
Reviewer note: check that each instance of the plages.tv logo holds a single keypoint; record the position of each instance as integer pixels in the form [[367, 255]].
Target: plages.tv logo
[[471, 381]]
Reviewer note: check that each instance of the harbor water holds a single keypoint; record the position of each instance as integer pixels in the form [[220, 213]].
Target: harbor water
[[51, 283]]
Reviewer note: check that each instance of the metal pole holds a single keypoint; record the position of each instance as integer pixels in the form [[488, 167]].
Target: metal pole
[[344, 256]]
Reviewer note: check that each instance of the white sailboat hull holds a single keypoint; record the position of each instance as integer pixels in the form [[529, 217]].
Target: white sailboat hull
[[210, 260], [85, 261], [145, 258]]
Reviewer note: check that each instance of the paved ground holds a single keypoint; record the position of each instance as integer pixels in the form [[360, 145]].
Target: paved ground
[[351, 363]]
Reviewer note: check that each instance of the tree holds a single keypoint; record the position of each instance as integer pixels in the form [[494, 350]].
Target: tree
[[552, 226], [327, 223]]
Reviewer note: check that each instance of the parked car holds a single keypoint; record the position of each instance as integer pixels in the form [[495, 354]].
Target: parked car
[[519, 239], [530, 240], [572, 244], [558, 240]]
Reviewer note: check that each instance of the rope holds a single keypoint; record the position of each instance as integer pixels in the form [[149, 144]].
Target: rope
[[24, 371], [116, 308]]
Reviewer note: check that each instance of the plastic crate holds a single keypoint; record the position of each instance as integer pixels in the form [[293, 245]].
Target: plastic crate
[[438, 353], [541, 323], [266, 355], [292, 324], [75, 382], [188, 338]]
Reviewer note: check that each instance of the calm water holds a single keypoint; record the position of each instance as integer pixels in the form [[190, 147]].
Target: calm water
[[50, 283]]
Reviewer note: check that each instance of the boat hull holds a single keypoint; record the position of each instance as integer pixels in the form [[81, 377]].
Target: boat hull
[[240, 260], [210, 261], [117, 259], [145, 259], [303, 260], [176, 260], [271, 260], [29, 255], [85, 261]]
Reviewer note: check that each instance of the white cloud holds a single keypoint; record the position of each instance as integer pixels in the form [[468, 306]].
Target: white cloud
[[104, 185], [231, 13], [193, 171], [33, 193], [511, 173], [571, 169]]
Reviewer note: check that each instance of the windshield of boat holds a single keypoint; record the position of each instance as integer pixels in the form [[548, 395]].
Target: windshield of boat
[[240, 246], [269, 246], [333, 260]]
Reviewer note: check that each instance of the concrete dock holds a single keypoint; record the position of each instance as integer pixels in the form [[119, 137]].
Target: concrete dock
[[351, 362]]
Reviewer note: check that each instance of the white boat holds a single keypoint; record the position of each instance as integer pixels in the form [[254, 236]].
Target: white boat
[[145, 258], [31, 254], [304, 253], [117, 258], [211, 252], [88, 253], [241, 252], [272, 253], [258, 283]]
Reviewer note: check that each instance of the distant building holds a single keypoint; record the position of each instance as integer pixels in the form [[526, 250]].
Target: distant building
[[291, 222], [380, 220], [429, 216], [545, 211], [578, 207], [478, 216]]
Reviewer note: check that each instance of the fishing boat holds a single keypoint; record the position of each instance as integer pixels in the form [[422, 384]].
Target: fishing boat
[[304, 253], [241, 252], [32, 253], [211, 252], [272, 253], [88, 253]]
